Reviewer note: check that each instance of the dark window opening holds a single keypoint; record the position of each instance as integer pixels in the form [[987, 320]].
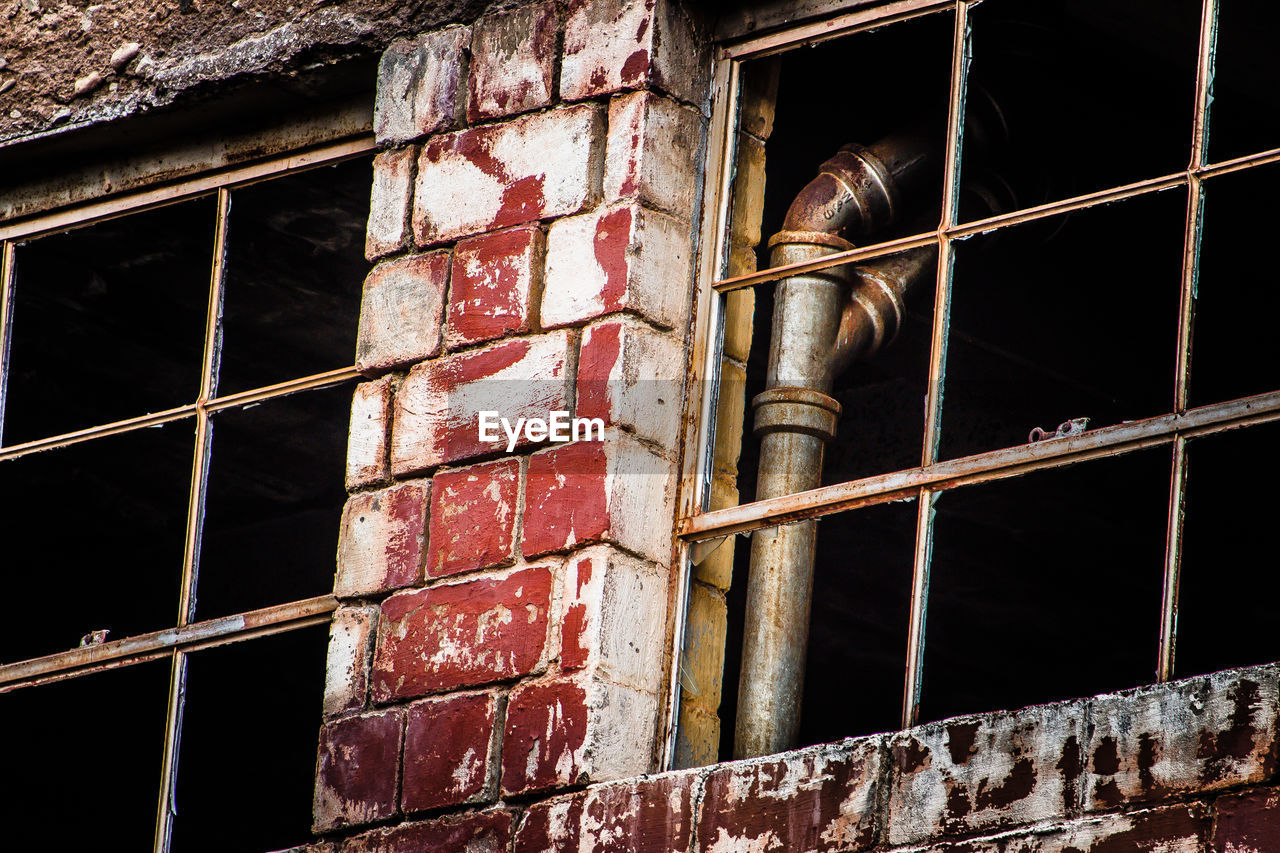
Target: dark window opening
[[273, 502], [1246, 81], [249, 744]]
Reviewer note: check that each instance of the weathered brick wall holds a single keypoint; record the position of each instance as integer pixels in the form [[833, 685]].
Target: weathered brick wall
[[503, 631]]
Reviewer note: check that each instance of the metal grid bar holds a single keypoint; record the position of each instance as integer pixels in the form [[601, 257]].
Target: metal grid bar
[[993, 465], [77, 216], [6, 320], [960, 58], [831, 28], [1186, 313], [191, 637], [243, 398], [1004, 220]]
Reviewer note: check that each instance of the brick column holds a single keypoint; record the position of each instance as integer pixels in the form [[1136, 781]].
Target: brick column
[[504, 624]]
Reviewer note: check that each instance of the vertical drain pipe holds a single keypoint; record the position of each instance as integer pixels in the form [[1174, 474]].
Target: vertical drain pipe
[[821, 321]]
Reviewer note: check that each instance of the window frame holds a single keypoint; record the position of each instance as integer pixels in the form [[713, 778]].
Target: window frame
[[188, 634], [697, 524]]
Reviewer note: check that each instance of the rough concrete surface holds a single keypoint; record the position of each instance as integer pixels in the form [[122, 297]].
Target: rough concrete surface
[[56, 57]]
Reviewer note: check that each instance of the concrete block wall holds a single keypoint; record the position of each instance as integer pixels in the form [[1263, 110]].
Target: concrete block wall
[[503, 629]]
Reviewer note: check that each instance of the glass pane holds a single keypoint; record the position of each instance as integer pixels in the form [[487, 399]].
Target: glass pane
[[82, 760], [109, 321], [1046, 586], [248, 754], [295, 268], [1233, 351], [1071, 317], [274, 499], [1093, 93], [1230, 581], [1246, 83], [101, 526]]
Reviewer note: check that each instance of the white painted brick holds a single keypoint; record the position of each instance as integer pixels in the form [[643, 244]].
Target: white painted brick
[[367, 440], [652, 152], [539, 166], [389, 202], [401, 312], [419, 85], [632, 376], [350, 652], [624, 258], [512, 62]]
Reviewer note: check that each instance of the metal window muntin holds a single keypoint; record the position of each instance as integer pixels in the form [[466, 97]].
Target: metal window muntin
[[925, 482], [188, 635]]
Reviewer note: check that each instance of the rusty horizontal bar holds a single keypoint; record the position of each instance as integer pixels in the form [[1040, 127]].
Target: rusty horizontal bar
[[993, 465], [1004, 220], [283, 389], [841, 25], [243, 398], [197, 635], [85, 214]]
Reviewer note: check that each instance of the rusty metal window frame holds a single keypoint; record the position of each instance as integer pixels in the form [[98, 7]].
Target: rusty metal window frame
[[933, 476], [187, 635]]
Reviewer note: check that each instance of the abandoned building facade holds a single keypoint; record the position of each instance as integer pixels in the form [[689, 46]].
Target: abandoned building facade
[[827, 425]]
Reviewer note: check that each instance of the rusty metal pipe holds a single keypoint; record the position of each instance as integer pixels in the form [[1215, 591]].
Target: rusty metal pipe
[[821, 322]]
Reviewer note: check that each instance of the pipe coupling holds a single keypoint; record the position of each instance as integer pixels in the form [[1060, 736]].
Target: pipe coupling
[[854, 194], [793, 409]]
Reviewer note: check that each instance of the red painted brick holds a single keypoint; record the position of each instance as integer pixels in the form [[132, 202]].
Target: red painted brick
[[632, 376], [357, 773], [1248, 822], [420, 85], [450, 752], [484, 178], [495, 278], [370, 427], [619, 259], [617, 491], [816, 799], [512, 62], [383, 540], [473, 832], [473, 518], [653, 815], [610, 45], [462, 635], [402, 311], [546, 731], [437, 408], [551, 826]]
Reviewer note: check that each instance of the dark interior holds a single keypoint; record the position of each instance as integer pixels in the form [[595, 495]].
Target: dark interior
[[82, 760], [274, 498], [1245, 114], [109, 321], [1229, 580], [1046, 586], [249, 744], [295, 266]]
